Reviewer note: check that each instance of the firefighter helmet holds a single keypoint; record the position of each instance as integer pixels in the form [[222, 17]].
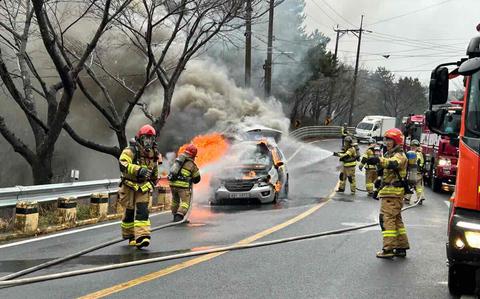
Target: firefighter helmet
[[146, 137], [396, 135], [348, 140], [191, 150], [415, 142], [146, 130]]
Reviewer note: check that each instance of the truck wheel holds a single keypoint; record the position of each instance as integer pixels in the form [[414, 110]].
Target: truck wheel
[[436, 184], [461, 280]]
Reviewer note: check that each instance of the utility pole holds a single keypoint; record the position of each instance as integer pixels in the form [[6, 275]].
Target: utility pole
[[268, 62], [333, 83], [355, 74], [248, 45], [358, 34]]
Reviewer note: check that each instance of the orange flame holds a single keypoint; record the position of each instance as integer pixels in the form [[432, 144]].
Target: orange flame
[[211, 148]]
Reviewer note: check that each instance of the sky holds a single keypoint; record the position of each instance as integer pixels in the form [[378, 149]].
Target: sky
[[417, 34]]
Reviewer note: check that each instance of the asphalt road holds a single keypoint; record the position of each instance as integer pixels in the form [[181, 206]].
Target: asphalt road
[[340, 266]]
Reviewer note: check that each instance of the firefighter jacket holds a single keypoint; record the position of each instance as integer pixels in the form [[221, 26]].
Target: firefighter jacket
[[420, 161], [348, 156], [189, 173], [394, 165], [131, 161], [369, 153]]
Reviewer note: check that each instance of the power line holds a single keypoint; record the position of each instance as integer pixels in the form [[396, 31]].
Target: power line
[[324, 12], [409, 13], [338, 14]]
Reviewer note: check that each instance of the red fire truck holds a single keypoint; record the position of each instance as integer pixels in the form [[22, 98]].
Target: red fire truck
[[463, 245], [440, 151]]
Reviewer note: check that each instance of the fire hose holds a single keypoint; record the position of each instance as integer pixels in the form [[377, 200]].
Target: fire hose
[[87, 250], [6, 282]]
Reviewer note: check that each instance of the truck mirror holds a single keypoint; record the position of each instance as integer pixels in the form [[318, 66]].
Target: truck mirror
[[435, 119], [454, 141], [469, 67], [439, 86]]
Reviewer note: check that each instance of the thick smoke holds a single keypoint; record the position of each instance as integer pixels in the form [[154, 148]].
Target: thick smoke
[[207, 99]]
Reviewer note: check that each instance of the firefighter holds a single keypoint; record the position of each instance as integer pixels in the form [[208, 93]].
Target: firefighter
[[138, 164], [391, 193], [183, 173], [370, 170], [348, 157], [415, 146]]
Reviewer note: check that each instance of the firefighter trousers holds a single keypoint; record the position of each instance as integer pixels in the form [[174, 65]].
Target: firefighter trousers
[[370, 177], [181, 200], [135, 221], [347, 173], [391, 223]]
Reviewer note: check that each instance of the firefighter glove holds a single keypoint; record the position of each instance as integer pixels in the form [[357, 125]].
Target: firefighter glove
[[336, 154], [360, 167], [373, 160], [144, 173]]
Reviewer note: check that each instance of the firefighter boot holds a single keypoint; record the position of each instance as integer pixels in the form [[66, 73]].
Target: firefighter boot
[[177, 217], [132, 242], [143, 241], [385, 254], [400, 252]]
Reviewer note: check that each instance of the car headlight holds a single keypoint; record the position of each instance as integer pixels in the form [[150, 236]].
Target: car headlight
[[473, 239], [444, 162]]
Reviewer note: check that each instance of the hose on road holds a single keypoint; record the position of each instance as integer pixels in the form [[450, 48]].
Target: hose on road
[[7, 283], [80, 253]]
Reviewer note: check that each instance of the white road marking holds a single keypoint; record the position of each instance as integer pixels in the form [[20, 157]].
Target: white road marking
[[447, 203], [68, 232]]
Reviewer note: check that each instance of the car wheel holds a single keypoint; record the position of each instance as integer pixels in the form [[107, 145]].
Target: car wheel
[[461, 280]]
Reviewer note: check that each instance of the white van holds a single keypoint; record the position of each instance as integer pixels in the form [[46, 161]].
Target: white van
[[374, 126]]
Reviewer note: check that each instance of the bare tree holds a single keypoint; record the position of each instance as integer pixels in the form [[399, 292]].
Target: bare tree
[[22, 22], [163, 36]]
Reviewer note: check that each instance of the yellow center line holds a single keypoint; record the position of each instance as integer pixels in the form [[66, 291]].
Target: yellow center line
[[155, 275]]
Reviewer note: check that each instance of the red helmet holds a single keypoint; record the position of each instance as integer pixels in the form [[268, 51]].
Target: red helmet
[[191, 150], [396, 135], [146, 130]]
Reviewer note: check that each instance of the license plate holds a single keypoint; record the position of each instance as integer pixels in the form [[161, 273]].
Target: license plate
[[239, 195]]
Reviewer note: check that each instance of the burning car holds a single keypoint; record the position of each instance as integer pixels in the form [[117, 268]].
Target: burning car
[[255, 170]]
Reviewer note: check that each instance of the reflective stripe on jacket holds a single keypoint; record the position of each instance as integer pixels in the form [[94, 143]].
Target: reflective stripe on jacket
[[189, 174], [369, 153], [349, 157], [393, 161], [130, 168]]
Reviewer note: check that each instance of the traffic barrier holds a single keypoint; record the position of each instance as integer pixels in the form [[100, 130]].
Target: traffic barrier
[[309, 132], [67, 211], [99, 206], [26, 217]]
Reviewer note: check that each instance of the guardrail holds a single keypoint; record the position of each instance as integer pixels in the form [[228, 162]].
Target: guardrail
[[44, 193], [319, 132]]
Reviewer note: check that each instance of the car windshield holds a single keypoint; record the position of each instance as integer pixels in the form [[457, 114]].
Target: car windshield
[[473, 107], [250, 154], [365, 126]]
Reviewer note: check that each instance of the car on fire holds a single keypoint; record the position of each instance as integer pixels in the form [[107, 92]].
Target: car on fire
[[255, 170]]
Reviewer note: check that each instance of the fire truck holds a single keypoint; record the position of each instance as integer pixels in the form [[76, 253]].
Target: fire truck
[[440, 151], [463, 245]]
